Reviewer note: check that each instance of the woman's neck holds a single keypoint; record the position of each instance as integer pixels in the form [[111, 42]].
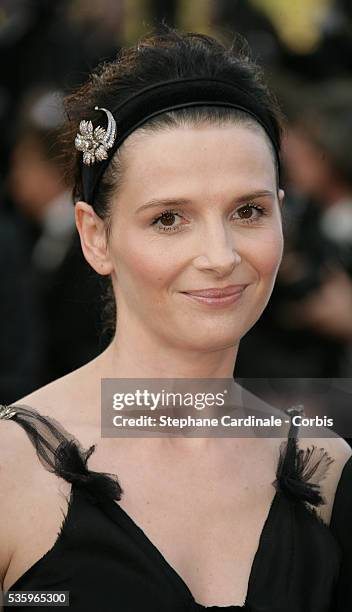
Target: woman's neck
[[123, 359]]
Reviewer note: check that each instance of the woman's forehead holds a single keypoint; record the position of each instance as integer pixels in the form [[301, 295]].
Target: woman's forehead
[[203, 155]]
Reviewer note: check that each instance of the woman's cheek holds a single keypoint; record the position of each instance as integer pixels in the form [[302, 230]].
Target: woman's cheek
[[270, 264], [271, 255], [149, 270], [264, 255]]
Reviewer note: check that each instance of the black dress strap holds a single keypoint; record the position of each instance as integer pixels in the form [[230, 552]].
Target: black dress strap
[[60, 453], [299, 472]]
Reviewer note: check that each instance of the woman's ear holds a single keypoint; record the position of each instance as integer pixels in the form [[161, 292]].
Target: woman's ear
[[281, 197], [92, 232]]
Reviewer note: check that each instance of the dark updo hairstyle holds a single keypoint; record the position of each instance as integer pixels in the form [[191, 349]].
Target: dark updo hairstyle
[[162, 55]]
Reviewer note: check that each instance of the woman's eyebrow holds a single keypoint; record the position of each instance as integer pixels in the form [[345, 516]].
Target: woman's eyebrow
[[154, 203]]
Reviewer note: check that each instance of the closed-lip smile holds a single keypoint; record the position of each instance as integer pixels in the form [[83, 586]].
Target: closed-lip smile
[[216, 292]]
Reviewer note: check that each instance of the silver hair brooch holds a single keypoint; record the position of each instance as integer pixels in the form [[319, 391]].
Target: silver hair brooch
[[95, 142], [6, 412]]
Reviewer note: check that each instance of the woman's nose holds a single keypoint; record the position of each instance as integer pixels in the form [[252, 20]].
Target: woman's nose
[[218, 251]]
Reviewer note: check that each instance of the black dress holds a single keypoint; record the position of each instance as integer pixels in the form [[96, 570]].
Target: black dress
[[108, 564]]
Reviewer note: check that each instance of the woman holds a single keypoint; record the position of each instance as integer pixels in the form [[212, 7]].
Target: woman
[[177, 191]]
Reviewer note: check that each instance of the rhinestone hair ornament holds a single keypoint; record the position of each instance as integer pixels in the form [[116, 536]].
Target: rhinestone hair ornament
[[99, 144], [6, 412], [95, 142]]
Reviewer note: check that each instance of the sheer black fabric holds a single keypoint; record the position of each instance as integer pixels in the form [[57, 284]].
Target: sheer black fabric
[[108, 564]]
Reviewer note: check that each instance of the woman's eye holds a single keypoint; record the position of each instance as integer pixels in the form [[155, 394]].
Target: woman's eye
[[167, 218], [246, 213]]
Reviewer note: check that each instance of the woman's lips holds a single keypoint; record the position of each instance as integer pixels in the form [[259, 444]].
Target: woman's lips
[[217, 292], [217, 301]]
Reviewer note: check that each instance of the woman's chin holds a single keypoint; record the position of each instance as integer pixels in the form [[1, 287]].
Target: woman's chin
[[209, 341]]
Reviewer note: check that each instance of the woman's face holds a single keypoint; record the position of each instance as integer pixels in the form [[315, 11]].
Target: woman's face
[[221, 226]]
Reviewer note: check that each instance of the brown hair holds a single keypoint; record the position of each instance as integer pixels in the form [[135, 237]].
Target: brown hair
[[159, 56]]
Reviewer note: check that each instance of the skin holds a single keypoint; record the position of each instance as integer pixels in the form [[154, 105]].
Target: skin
[[214, 247]]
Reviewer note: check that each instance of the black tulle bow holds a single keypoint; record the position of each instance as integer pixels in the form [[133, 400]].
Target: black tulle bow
[[71, 464], [300, 472], [62, 454]]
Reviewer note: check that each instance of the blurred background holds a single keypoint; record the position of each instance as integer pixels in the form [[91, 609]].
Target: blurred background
[[50, 300]]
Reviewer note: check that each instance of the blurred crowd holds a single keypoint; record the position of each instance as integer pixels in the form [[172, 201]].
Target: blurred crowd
[[51, 301]]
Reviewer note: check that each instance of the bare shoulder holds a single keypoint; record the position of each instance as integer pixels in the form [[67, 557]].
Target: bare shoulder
[[340, 452], [11, 439], [72, 400], [22, 476]]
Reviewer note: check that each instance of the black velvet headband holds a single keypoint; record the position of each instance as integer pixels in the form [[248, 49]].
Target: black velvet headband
[[154, 100]]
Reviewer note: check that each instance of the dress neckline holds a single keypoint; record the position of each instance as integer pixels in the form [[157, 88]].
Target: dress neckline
[[117, 514]]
